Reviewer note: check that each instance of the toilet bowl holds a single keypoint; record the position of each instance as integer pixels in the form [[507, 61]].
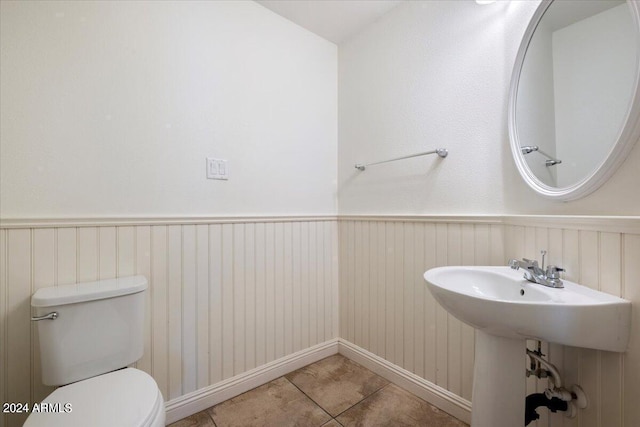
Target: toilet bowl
[[89, 333], [127, 398]]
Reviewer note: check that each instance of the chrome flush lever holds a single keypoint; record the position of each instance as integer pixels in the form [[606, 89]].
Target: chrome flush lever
[[51, 316]]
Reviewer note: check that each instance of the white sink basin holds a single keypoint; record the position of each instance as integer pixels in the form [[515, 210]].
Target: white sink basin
[[499, 301]]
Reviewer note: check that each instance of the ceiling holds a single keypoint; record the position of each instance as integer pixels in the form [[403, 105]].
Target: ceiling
[[334, 20]]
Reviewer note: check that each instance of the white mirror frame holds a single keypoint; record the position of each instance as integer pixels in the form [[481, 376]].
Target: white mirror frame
[[626, 138]]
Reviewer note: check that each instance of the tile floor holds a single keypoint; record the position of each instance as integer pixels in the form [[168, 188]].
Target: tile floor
[[333, 392]]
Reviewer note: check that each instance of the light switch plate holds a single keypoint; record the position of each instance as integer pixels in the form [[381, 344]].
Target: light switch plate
[[217, 169]]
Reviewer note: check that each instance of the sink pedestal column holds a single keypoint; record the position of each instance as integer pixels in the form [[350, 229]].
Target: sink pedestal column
[[499, 387]]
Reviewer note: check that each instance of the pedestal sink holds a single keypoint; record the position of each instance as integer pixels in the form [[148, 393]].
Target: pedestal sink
[[506, 310]]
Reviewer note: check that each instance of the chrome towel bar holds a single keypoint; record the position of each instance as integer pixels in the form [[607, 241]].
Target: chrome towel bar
[[442, 152]]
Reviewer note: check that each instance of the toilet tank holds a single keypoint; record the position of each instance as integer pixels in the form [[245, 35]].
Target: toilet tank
[[98, 328]]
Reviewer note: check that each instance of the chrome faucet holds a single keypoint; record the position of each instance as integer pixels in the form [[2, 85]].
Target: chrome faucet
[[534, 273]]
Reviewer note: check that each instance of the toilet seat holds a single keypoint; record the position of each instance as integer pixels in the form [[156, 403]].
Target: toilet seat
[[128, 398]]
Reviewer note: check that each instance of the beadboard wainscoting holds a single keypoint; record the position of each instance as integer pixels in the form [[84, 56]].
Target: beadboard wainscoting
[[226, 296], [390, 321], [385, 307], [235, 301]]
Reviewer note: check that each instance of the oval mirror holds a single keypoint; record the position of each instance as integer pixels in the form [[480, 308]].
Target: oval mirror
[[574, 102]]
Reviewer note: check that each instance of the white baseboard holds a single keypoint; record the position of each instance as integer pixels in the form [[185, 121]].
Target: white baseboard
[[204, 398], [426, 390]]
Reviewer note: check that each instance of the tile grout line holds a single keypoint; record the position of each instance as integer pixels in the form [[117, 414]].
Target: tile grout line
[[309, 397], [355, 404], [211, 416], [363, 399]]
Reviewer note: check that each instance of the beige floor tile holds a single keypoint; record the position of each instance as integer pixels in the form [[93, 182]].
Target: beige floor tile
[[201, 419], [278, 403], [332, 423], [336, 383], [392, 406]]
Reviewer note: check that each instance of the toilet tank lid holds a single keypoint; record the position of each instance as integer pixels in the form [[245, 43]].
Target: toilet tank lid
[[88, 291]]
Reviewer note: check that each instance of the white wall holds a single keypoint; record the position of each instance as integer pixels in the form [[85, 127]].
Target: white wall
[[110, 108], [437, 73], [426, 75]]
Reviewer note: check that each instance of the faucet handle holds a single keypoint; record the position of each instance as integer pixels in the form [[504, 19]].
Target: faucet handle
[[553, 272]]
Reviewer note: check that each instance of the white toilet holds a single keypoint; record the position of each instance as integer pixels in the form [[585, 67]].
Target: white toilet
[[88, 332]]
